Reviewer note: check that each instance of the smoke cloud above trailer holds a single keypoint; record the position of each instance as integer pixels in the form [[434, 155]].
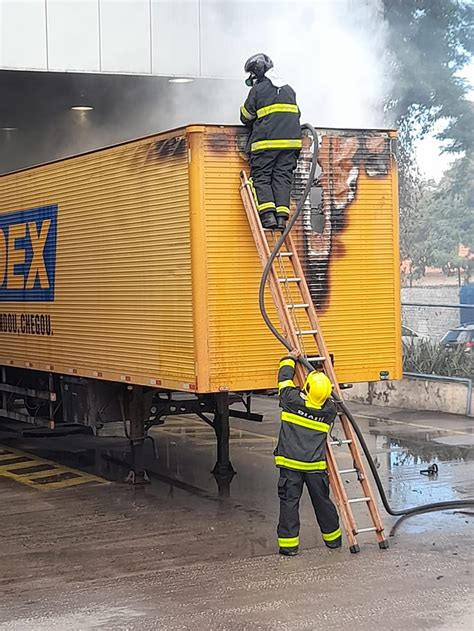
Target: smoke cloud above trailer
[[332, 52]]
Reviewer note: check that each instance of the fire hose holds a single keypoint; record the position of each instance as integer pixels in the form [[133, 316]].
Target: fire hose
[[340, 404]]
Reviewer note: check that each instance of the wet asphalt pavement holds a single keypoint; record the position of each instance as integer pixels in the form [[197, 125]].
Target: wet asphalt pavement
[[183, 553]]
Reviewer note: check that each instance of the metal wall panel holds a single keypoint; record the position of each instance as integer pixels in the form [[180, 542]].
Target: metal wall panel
[[175, 37], [163, 37], [73, 35], [23, 34], [122, 307], [125, 36]]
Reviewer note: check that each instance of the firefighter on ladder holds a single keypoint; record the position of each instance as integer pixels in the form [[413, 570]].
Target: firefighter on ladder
[[271, 113], [300, 454]]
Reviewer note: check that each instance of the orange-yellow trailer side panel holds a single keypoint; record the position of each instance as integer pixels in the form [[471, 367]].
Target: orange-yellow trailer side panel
[[156, 271], [241, 349], [122, 307], [358, 297]]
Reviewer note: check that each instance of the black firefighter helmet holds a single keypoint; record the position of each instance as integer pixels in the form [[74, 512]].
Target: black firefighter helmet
[[257, 65]]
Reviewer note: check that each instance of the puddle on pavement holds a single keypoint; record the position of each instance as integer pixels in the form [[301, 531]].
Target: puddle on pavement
[[403, 463], [186, 456]]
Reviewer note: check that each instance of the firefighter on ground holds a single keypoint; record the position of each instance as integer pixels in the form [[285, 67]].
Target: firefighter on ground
[[300, 454], [273, 117]]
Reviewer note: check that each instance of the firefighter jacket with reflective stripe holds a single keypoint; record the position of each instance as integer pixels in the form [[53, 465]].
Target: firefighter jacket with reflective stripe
[[304, 430], [273, 117]]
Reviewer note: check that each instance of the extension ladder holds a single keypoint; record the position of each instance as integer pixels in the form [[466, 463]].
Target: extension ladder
[[299, 322]]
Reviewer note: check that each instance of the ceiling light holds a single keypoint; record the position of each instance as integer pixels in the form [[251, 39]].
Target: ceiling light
[[180, 80], [82, 108], [8, 128]]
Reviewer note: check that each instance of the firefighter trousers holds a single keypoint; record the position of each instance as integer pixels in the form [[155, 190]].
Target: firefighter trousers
[[290, 488], [272, 176]]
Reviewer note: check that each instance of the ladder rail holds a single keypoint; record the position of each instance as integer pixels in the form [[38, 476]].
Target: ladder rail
[[330, 371], [264, 253], [289, 299]]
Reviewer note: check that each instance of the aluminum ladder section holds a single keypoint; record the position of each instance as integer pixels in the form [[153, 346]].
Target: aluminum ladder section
[[299, 323]]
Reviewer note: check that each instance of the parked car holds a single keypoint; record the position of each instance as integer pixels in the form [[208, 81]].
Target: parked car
[[460, 336]]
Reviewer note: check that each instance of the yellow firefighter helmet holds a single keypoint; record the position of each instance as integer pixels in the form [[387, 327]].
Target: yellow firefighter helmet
[[317, 389]]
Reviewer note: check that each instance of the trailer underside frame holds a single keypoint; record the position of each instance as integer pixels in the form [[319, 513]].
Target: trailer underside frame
[[214, 409], [53, 396]]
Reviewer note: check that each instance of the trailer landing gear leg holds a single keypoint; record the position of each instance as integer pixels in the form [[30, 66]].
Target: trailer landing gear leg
[[223, 470], [135, 413]]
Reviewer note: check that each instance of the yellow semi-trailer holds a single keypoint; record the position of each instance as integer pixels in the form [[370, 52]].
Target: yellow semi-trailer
[[135, 265]]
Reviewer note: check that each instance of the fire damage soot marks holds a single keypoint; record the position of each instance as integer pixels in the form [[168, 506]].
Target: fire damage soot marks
[[169, 147], [26, 323], [342, 158]]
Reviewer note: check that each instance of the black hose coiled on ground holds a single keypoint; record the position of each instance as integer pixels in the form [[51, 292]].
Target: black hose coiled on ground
[[424, 508]]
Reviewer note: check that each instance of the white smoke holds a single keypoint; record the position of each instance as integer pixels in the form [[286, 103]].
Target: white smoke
[[332, 52]]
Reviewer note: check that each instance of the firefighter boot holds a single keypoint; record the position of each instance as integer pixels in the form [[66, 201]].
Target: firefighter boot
[[288, 552], [337, 543], [281, 222], [268, 220]]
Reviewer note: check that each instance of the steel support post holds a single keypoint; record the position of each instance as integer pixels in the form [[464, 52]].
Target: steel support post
[[223, 467], [135, 414]]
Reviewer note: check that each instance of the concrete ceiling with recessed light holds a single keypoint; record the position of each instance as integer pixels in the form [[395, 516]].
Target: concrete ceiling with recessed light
[[38, 106], [118, 56]]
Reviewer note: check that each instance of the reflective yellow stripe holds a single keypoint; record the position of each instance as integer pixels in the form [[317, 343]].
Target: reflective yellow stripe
[[283, 210], [288, 542], [254, 192], [330, 536], [319, 465], [289, 383], [287, 362], [275, 144], [266, 206], [246, 114], [277, 107], [305, 422]]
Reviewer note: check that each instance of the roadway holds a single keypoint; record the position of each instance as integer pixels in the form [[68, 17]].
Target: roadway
[[87, 551]]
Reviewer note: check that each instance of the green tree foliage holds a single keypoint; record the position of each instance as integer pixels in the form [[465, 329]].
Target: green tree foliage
[[444, 220], [429, 43], [411, 191]]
